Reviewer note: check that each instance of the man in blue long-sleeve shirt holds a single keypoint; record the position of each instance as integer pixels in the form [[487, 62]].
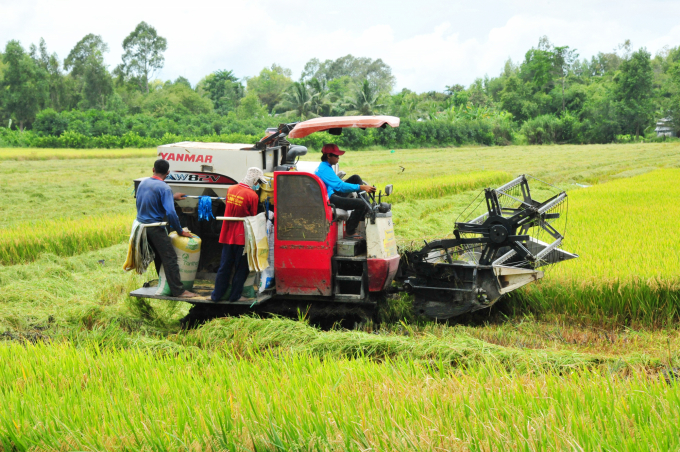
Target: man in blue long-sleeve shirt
[[155, 201], [338, 190]]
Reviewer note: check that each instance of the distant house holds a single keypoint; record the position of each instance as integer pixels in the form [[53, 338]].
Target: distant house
[[664, 128]]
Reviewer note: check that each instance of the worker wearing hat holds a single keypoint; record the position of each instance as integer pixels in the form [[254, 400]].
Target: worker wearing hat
[[241, 202], [339, 190]]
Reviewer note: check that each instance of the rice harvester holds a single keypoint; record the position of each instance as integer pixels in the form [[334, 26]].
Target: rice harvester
[[503, 241]]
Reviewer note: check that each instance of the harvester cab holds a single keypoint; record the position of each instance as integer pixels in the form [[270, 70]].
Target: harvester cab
[[490, 254]]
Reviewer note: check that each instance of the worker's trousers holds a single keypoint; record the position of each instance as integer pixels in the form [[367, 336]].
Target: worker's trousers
[[356, 205], [165, 254], [232, 259]]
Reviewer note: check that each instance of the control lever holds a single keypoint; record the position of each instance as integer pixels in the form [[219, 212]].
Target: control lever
[[371, 208]]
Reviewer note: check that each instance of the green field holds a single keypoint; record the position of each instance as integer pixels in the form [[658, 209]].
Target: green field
[[582, 360], [23, 154]]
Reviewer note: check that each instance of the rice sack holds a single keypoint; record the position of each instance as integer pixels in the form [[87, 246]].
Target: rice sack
[[188, 251]]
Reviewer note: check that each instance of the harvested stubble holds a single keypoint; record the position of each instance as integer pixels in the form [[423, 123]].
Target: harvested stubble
[[24, 243], [60, 397], [55, 189], [56, 293]]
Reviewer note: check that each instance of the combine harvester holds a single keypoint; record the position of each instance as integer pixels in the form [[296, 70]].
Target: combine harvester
[[507, 235]]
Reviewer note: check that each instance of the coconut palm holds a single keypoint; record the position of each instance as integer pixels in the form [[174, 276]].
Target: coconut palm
[[321, 103], [364, 101], [297, 101]]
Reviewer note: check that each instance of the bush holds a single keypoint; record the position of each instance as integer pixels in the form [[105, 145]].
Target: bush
[[105, 129], [49, 122], [547, 129]]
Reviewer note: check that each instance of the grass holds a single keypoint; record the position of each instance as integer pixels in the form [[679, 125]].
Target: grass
[[65, 207], [87, 398], [563, 164], [26, 242], [635, 218], [79, 299], [622, 226], [23, 154], [626, 233], [34, 191], [562, 372], [69, 211], [440, 186], [67, 292]]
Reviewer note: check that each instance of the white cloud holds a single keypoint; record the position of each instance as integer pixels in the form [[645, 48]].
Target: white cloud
[[452, 41]]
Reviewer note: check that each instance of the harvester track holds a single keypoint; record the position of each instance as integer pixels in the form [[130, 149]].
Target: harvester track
[[322, 314]]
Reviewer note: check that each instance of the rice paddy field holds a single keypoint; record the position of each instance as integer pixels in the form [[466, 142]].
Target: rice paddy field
[[586, 359]]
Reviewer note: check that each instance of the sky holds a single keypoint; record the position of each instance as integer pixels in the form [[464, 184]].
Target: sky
[[428, 43]]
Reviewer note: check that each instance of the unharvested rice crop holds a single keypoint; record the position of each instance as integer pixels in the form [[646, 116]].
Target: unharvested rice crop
[[437, 187], [60, 397], [627, 236], [25, 242], [85, 367], [625, 229]]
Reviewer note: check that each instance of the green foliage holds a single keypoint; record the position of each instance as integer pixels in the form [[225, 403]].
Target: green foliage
[[548, 129], [356, 70], [60, 93], [24, 84], [96, 129], [270, 85], [413, 134], [297, 101], [550, 95], [49, 122], [224, 89], [250, 108], [363, 101], [633, 92], [175, 99], [143, 54], [322, 98], [86, 63]]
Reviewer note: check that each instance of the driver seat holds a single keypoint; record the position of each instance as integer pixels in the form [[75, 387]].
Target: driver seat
[[340, 214]]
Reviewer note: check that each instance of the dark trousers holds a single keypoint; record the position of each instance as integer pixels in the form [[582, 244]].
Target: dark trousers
[[356, 205], [165, 254], [232, 258]]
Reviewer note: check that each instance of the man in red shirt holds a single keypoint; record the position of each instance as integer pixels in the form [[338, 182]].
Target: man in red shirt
[[241, 202]]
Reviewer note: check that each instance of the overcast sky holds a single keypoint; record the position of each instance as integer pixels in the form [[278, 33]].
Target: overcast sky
[[428, 43]]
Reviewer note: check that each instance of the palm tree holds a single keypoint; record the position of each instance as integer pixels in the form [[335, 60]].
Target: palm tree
[[409, 107], [321, 98], [364, 101], [297, 101]]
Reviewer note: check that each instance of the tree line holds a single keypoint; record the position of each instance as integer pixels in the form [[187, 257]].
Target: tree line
[[551, 96]]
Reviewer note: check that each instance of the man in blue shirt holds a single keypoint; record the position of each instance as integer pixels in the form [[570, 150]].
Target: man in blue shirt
[[338, 191], [155, 201]]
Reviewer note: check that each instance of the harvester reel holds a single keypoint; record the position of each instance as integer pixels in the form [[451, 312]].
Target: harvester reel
[[499, 247]]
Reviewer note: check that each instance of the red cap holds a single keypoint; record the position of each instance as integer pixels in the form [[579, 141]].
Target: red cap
[[331, 149]]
